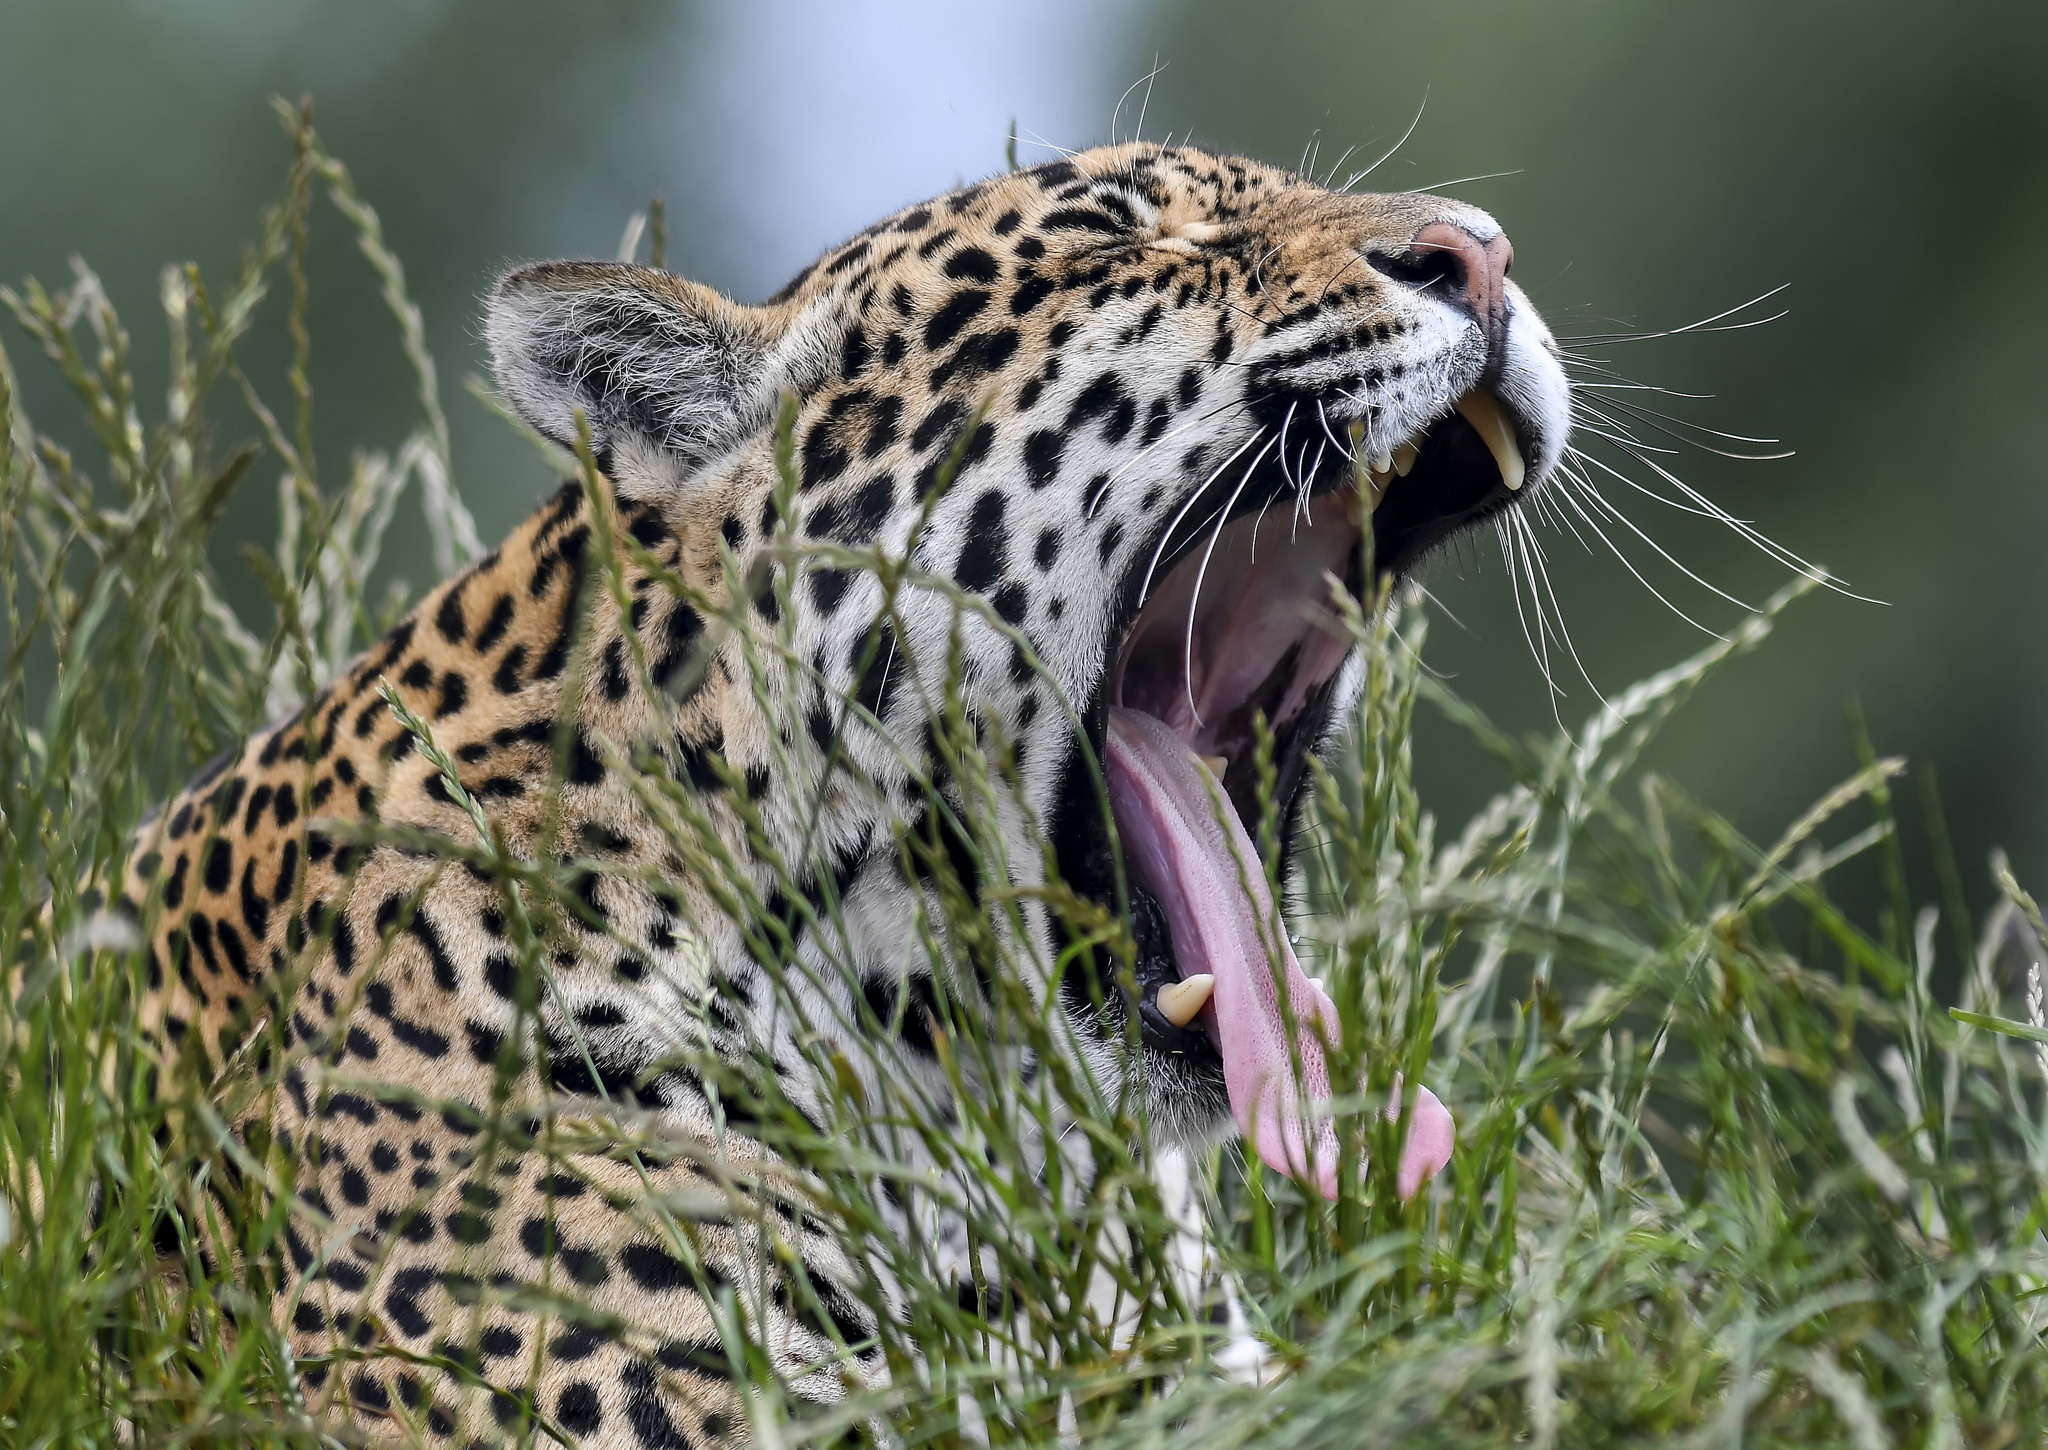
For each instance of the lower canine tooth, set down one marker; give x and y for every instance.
(1483, 411)
(1180, 1001)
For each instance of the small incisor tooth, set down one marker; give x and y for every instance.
(1180, 1001)
(1383, 463)
(1217, 764)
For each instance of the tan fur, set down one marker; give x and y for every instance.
(395, 1006)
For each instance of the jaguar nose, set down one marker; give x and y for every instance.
(1477, 274)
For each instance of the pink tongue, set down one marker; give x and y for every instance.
(1177, 848)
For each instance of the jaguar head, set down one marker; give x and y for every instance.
(1152, 405)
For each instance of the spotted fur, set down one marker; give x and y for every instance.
(1092, 340)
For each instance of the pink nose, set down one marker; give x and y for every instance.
(1477, 272)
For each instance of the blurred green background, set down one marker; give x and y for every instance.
(1885, 163)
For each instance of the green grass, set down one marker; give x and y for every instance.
(1727, 1172)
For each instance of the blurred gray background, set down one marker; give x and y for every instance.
(1885, 163)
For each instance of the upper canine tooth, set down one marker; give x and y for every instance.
(1483, 411)
(1180, 1001)
(1404, 459)
(1217, 764)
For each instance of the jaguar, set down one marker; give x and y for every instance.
(1144, 408)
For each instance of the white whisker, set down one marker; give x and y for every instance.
(1283, 441)
(1621, 385)
(1441, 607)
(1565, 494)
(1618, 381)
(1647, 492)
(1519, 540)
(1145, 587)
(1143, 80)
(1034, 139)
(1341, 447)
(1167, 437)
(1670, 427)
(1386, 156)
(1187, 656)
(1618, 436)
(1256, 524)
(1564, 634)
(1336, 276)
(1705, 324)
(1606, 506)
(1762, 541)
(1144, 106)
(1507, 554)
(1459, 181)
(1562, 518)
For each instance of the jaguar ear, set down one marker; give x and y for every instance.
(669, 373)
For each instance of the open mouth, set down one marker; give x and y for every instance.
(1242, 627)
